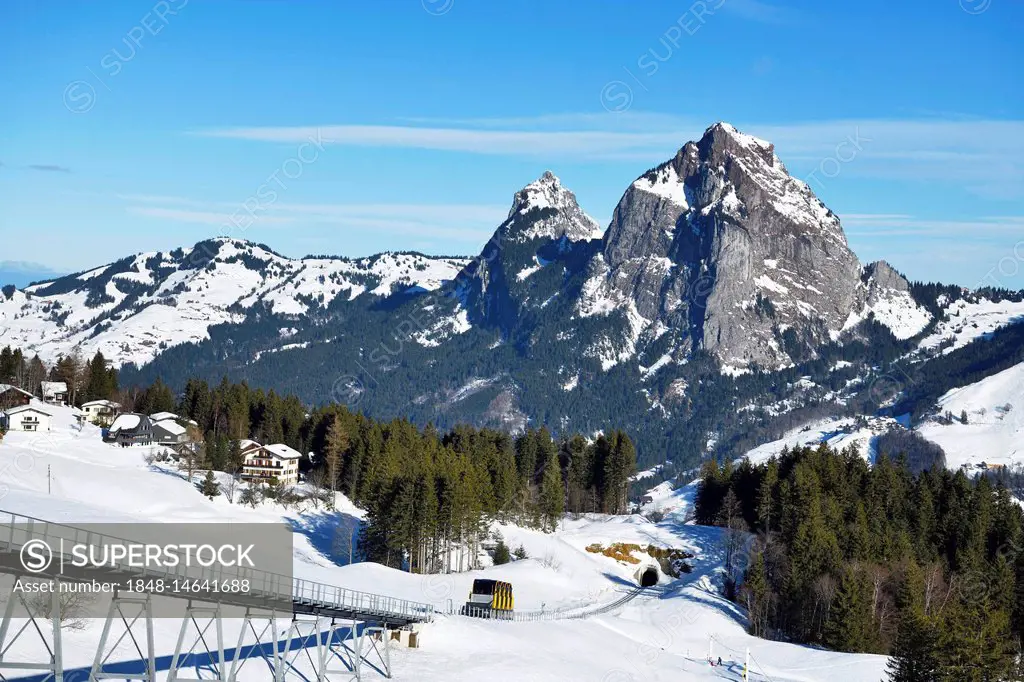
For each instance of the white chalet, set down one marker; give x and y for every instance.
(54, 392)
(101, 412)
(271, 462)
(26, 418)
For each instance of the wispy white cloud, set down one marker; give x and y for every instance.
(49, 168)
(467, 223)
(973, 253)
(581, 144)
(997, 228)
(985, 156)
(182, 215)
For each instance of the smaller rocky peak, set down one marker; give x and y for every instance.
(882, 276)
(547, 209)
(544, 192)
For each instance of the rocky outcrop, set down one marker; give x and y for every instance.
(723, 248)
(545, 228)
(545, 209)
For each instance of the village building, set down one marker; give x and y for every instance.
(101, 412)
(12, 396)
(268, 463)
(28, 418)
(130, 429)
(169, 432)
(54, 392)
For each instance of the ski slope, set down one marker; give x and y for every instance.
(662, 635)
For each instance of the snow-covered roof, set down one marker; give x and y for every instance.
(27, 408)
(103, 403)
(246, 444)
(160, 416)
(126, 421)
(7, 387)
(281, 451)
(52, 387)
(171, 427)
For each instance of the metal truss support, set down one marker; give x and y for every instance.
(340, 642)
(308, 631)
(34, 628)
(128, 612)
(202, 619)
(268, 624)
(334, 651)
(379, 637)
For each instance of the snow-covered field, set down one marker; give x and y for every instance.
(664, 635)
(966, 322)
(838, 433)
(994, 432)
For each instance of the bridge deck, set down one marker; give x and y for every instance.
(269, 591)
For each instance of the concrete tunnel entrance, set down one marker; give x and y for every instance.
(648, 577)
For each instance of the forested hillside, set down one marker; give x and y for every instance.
(927, 567)
(428, 494)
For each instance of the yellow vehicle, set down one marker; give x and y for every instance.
(490, 599)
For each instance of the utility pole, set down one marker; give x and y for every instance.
(49, 487)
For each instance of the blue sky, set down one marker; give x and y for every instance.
(350, 128)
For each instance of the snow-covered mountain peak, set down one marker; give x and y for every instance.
(545, 209)
(721, 130)
(721, 245)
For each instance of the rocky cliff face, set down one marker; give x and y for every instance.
(720, 248)
(545, 227)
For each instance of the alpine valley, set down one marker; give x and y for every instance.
(721, 309)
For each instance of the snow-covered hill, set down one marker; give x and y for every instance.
(133, 309)
(664, 635)
(994, 432)
(968, 320)
(837, 433)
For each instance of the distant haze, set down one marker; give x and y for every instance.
(21, 273)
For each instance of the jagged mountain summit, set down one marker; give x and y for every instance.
(545, 209)
(721, 249)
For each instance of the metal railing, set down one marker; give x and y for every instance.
(265, 588)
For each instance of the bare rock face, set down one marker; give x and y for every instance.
(545, 209)
(724, 249)
(882, 278)
(545, 225)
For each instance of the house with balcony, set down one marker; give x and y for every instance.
(271, 463)
(101, 412)
(28, 418)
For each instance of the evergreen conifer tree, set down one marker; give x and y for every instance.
(210, 487)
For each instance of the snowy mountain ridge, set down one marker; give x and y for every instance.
(133, 309)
